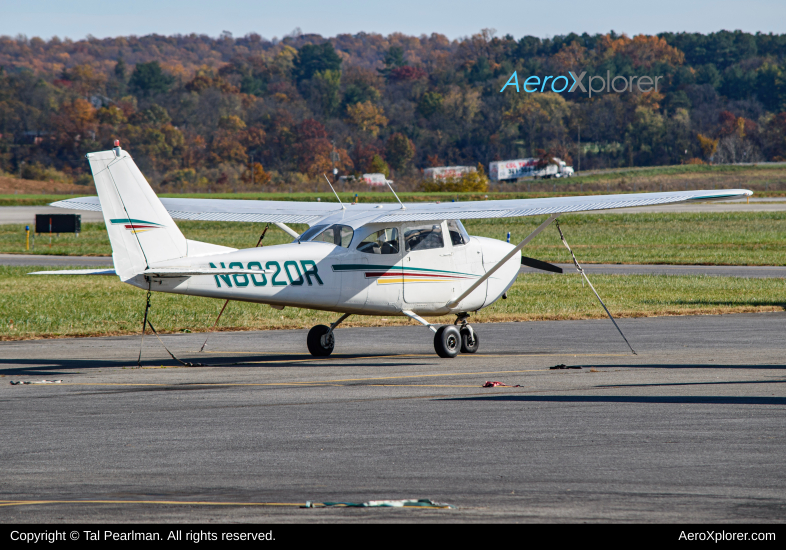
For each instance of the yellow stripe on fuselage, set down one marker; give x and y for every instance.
(381, 281)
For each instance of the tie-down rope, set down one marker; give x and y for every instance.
(581, 270)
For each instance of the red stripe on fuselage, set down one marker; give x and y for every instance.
(410, 274)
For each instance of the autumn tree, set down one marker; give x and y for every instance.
(394, 59)
(379, 166)
(312, 59)
(366, 117)
(314, 149)
(399, 151)
(149, 79)
(75, 128)
(226, 145)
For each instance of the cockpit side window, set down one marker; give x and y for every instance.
(384, 241)
(339, 235)
(423, 236)
(458, 235)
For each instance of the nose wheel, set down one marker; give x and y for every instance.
(320, 341)
(469, 340)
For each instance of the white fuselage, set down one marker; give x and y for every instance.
(318, 275)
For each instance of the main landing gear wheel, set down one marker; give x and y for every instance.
(319, 342)
(469, 340)
(447, 341)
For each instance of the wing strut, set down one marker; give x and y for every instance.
(507, 257)
(286, 229)
(581, 270)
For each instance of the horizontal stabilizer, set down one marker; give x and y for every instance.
(164, 273)
(538, 264)
(76, 272)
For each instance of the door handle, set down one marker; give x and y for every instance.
(448, 254)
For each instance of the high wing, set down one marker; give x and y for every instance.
(227, 210)
(312, 212)
(536, 207)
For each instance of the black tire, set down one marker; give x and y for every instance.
(447, 341)
(466, 347)
(314, 341)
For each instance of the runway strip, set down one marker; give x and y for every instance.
(26, 214)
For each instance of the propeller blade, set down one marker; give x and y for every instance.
(537, 264)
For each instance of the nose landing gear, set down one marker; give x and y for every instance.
(470, 342)
(321, 340)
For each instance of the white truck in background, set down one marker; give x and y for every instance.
(528, 168)
(559, 170)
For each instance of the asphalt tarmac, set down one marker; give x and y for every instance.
(689, 430)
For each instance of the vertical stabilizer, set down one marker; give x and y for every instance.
(140, 229)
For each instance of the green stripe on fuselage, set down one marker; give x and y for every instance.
(370, 267)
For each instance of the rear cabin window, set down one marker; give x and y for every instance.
(384, 241)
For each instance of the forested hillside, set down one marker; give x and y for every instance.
(204, 113)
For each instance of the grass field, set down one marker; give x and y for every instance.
(723, 238)
(58, 306)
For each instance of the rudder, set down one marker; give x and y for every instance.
(141, 231)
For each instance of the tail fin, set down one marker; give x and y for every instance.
(140, 229)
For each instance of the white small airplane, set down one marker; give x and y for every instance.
(414, 260)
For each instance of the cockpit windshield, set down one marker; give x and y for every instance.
(339, 235)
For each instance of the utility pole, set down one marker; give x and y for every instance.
(333, 159)
(579, 152)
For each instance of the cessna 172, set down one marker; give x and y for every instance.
(385, 259)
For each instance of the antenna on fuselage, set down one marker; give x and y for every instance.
(394, 194)
(334, 192)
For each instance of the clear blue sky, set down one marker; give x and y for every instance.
(456, 18)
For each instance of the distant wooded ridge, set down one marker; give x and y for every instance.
(199, 113)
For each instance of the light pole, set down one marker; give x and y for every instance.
(578, 168)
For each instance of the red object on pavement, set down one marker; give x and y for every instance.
(495, 384)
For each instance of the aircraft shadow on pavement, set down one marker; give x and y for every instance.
(665, 384)
(632, 399)
(702, 366)
(64, 367)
